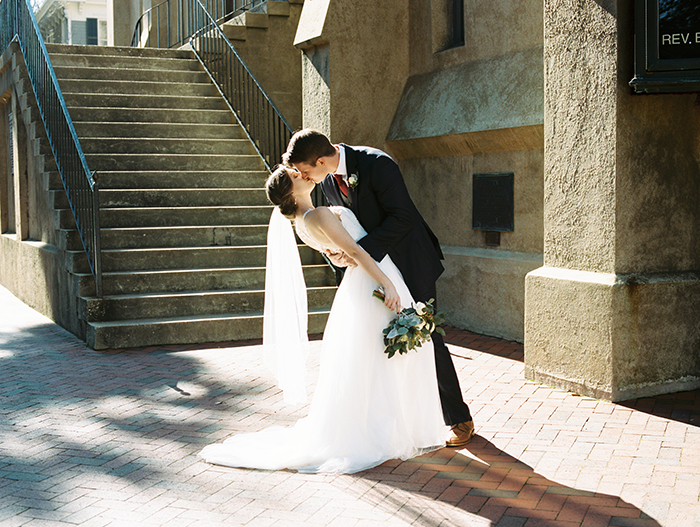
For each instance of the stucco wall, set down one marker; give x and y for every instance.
(614, 312)
(32, 262)
(367, 66)
(125, 14)
(482, 288)
(490, 29)
(472, 109)
(271, 57)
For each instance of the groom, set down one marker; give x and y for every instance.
(369, 182)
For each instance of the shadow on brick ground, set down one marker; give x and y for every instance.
(495, 487)
(68, 411)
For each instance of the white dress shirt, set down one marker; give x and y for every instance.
(342, 167)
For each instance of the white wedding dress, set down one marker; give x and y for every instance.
(367, 408)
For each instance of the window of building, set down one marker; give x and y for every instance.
(78, 32)
(448, 24)
(102, 33)
(91, 31)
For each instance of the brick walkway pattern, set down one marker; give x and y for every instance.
(111, 439)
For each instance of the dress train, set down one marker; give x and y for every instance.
(366, 408)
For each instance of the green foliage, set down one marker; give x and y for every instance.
(412, 327)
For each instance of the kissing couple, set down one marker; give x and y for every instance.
(366, 408)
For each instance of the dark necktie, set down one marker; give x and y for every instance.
(341, 184)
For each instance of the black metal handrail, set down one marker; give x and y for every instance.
(166, 24)
(17, 23)
(256, 113)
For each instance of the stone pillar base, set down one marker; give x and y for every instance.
(611, 336)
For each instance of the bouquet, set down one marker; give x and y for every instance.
(412, 327)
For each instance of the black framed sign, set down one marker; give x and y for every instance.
(667, 46)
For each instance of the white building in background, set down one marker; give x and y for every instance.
(83, 22)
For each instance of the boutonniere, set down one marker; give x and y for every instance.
(352, 180)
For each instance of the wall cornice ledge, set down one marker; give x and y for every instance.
(489, 105)
(310, 31)
(505, 139)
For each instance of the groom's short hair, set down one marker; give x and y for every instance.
(306, 146)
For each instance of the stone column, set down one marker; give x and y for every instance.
(354, 67)
(615, 310)
(124, 15)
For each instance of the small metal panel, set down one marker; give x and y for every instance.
(492, 205)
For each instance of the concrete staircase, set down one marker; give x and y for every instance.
(182, 207)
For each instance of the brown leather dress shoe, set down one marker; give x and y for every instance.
(461, 434)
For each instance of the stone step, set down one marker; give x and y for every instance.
(255, 20)
(133, 145)
(198, 303)
(107, 51)
(192, 280)
(140, 162)
(163, 130)
(183, 212)
(122, 87)
(152, 115)
(176, 179)
(166, 162)
(161, 258)
(258, 18)
(185, 330)
(188, 236)
(141, 180)
(187, 62)
(174, 216)
(183, 197)
(99, 74)
(220, 235)
(198, 257)
(102, 100)
(277, 8)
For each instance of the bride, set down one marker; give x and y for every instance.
(367, 408)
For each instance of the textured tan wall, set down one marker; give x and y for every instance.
(622, 171)
(316, 96)
(126, 13)
(580, 135)
(442, 189)
(491, 29)
(271, 57)
(658, 173)
(367, 66)
(614, 312)
(33, 269)
(483, 287)
(472, 109)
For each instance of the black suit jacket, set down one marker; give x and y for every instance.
(381, 203)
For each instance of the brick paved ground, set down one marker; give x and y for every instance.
(111, 439)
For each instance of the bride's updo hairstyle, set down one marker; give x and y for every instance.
(279, 191)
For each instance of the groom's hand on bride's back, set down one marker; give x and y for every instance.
(340, 259)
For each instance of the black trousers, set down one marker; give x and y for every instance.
(454, 409)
